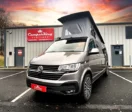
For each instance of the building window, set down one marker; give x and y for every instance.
(128, 32)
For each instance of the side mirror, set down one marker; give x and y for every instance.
(94, 51)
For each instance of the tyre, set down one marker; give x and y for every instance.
(106, 71)
(86, 88)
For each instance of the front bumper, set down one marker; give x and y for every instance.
(66, 88)
(67, 84)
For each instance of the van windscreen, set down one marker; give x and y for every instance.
(68, 45)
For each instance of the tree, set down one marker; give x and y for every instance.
(5, 21)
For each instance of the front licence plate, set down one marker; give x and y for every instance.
(39, 87)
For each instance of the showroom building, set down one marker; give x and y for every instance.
(24, 43)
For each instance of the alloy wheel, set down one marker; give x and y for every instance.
(87, 87)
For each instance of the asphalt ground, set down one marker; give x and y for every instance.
(110, 94)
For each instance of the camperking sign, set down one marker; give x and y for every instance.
(40, 34)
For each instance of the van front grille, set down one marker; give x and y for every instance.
(45, 67)
(48, 76)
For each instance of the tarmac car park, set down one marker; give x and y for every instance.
(111, 94)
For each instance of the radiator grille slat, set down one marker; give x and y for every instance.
(45, 67)
(48, 76)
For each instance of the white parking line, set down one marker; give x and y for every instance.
(22, 94)
(121, 77)
(11, 75)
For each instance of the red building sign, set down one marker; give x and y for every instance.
(40, 34)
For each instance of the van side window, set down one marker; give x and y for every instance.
(91, 45)
(99, 47)
(104, 50)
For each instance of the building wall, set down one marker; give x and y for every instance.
(112, 35)
(18, 39)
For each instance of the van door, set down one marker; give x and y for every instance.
(94, 59)
(117, 55)
(19, 56)
(102, 55)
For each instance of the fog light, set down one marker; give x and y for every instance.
(70, 91)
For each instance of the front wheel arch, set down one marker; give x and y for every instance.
(86, 94)
(82, 78)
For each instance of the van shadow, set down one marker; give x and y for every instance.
(99, 84)
(55, 99)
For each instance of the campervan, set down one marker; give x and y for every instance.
(73, 62)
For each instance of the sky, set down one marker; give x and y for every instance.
(46, 12)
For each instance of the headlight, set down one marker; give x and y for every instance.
(70, 67)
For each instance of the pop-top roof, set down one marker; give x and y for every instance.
(80, 15)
